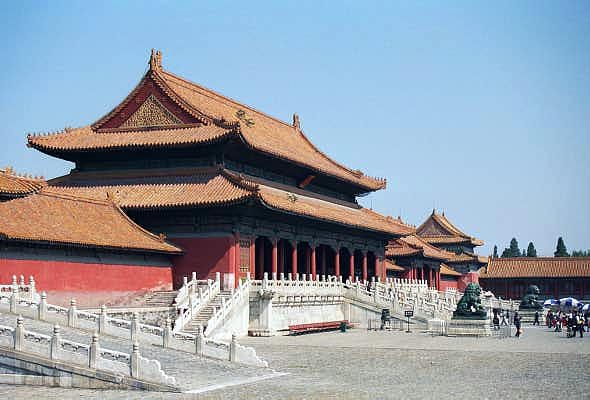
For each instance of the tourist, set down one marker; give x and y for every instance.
(536, 321)
(517, 324)
(496, 321)
(580, 322)
(504, 322)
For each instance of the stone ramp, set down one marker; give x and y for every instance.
(191, 372)
(205, 314)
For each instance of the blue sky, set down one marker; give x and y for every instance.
(478, 109)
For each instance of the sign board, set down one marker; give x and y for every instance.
(409, 313)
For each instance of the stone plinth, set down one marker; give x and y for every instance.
(527, 316)
(469, 327)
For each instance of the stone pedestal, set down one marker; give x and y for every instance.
(263, 327)
(469, 327)
(527, 316)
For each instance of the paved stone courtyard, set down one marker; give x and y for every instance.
(379, 365)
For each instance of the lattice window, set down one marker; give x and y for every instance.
(244, 255)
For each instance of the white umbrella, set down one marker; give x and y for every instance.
(550, 302)
(568, 302)
(586, 307)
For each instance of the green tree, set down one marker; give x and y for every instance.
(506, 253)
(581, 253)
(561, 250)
(514, 250)
(495, 255)
(523, 254)
(531, 251)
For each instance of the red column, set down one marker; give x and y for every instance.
(437, 280)
(260, 263)
(430, 281)
(274, 256)
(384, 267)
(308, 260)
(323, 255)
(365, 274)
(236, 258)
(352, 264)
(294, 259)
(252, 257)
(313, 266)
(280, 258)
(337, 262)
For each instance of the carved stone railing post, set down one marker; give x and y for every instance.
(14, 283)
(72, 316)
(19, 334)
(54, 346)
(42, 307)
(199, 341)
(13, 299)
(218, 277)
(233, 348)
(102, 319)
(134, 327)
(135, 361)
(167, 333)
(93, 351)
(32, 287)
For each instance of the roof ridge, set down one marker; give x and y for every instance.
(159, 238)
(49, 192)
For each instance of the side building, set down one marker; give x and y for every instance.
(556, 277)
(438, 231)
(239, 191)
(82, 248)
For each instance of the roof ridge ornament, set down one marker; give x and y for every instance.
(296, 122)
(156, 60)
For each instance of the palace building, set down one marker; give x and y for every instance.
(81, 247)
(236, 190)
(556, 277)
(438, 231)
(438, 253)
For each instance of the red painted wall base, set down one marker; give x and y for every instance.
(444, 285)
(87, 279)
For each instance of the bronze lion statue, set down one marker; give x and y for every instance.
(470, 304)
(530, 301)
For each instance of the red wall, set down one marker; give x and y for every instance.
(470, 277)
(73, 277)
(205, 256)
(444, 284)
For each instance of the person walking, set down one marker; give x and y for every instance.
(517, 324)
(580, 325)
(536, 321)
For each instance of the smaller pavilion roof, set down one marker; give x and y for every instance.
(466, 257)
(13, 185)
(437, 229)
(391, 266)
(446, 270)
(536, 267)
(62, 219)
(412, 245)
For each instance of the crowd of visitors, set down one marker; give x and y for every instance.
(572, 322)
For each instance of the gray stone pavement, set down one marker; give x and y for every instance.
(394, 365)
